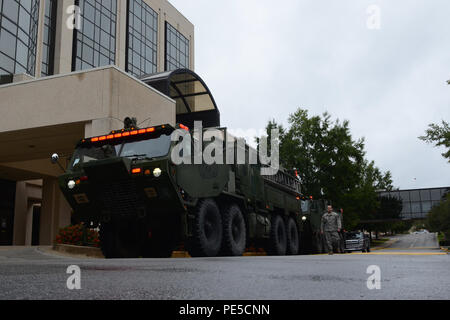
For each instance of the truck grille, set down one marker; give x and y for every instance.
(120, 197)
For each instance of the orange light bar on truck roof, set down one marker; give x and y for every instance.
(117, 135)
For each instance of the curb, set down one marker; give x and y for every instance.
(90, 252)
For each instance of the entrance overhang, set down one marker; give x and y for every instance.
(47, 115)
(193, 98)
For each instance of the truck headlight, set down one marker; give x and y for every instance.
(157, 172)
(71, 184)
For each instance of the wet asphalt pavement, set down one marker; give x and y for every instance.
(412, 268)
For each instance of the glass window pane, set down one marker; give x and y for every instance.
(426, 206)
(404, 195)
(177, 52)
(89, 12)
(27, 4)
(11, 10)
(18, 22)
(24, 20)
(435, 203)
(415, 207)
(425, 194)
(88, 29)
(435, 194)
(406, 207)
(415, 195)
(11, 27)
(98, 34)
(7, 43)
(6, 63)
(22, 53)
(142, 33)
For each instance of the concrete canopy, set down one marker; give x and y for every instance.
(40, 117)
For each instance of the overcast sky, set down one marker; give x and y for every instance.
(264, 59)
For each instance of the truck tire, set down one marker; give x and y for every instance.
(106, 237)
(278, 240)
(160, 236)
(234, 232)
(292, 237)
(159, 246)
(120, 240)
(206, 240)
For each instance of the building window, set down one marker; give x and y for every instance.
(177, 49)
(436, 194)
(142, 38)
(18, 36)
(95, 42)
(48, 47)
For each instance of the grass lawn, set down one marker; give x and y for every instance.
(378, 242)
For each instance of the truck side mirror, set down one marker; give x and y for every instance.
(55, 157)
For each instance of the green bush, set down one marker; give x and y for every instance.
(438, 219)
(74, 235)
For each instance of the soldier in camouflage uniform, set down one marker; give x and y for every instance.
(330, 226)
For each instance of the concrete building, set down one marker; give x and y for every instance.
(69, 69)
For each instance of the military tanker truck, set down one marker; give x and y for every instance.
(144, 204)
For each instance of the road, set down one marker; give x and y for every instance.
(423, 242)
(412, 268)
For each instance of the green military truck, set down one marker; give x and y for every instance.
(145, 206)
(311, 238)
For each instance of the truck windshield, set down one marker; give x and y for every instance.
(305, 205)
(149, 148)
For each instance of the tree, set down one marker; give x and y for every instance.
(438, 219)
(389, 208)
(440, 136)
(331, 164)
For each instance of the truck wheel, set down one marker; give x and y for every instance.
(206, 238)
(119, 240)
(159, 246)
(160, 236)
(292, 237)
(106, 237)
(277, 242)
(234, 234)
